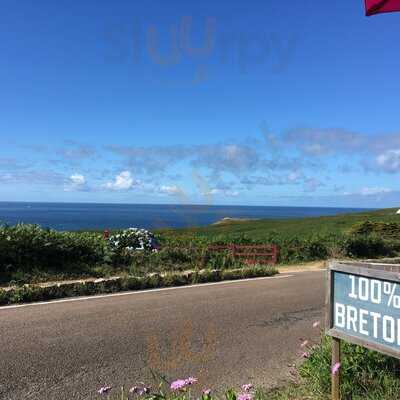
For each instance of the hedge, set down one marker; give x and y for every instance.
(35, 293)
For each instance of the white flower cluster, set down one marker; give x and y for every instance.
(132, 239)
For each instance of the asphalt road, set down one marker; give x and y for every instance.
(225, 334)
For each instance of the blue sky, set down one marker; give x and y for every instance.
(260, 102)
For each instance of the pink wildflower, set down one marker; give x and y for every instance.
(306, 354)
(245, 396)
(178, 384)
(133, 389)
(104, 389)
(335, 368)
(316, 324)
(206, 392)
(304, 344)
(143, 391)
(247, 387)
(190, 380)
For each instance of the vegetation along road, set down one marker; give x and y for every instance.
(224, 334)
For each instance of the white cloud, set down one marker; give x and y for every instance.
(294, 177)
(312, 184)
(370, 191)
(171, 190)
(75, 182)
(223, 192)
(123, 181)
(316, 149)
(77, 179)
(389, 161)
(232, 151)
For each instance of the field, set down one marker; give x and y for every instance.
(301, 228)
(31, 254)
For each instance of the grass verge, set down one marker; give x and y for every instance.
(365, 375)
(36, 293)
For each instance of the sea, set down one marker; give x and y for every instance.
(90, 216)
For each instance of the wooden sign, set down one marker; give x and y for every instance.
(363, 307)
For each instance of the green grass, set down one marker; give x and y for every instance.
(31, 254)
(365, 375)
(301, 227)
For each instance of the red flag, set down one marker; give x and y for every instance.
(381, 6)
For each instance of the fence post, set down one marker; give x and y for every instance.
(233, 250)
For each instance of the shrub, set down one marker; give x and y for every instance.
(384, 229)
(295, 249)
(368, 246)
(28, 248)
(126, 244)
(219, 260)
(29, 253)
(132, 239)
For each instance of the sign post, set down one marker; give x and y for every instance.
(363, 307)
(335, 377)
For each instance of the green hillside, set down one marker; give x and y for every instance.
(301, 227)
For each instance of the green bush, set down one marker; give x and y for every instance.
(25, 249)
(31, 254)
(369, 246)
(386, 230)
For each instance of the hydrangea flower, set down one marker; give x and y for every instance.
(132, 239)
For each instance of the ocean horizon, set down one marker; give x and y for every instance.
(99, 216)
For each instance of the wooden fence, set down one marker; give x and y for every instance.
(251, 254)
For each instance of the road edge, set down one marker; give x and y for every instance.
(38, 293)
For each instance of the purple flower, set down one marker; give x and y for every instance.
(178, 384)
(206, 392)
(306, 354)
(335, 368)
(144, 390)
(190, 380)
(104, 390)
(247, 387)
(133, 389)
(245, 396)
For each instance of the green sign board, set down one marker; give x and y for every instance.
(363, 305)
